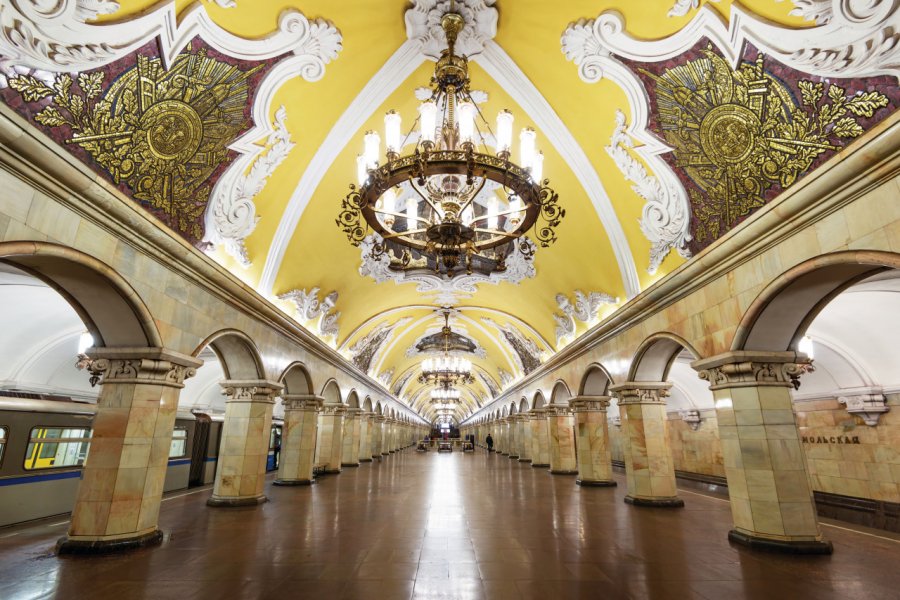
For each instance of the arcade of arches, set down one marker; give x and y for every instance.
(696, 383)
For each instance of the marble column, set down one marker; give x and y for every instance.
(330, 442)
(365, 437)
(385, 437)
(503, 426)
(540, 439)
(350, 443)
(298, 439)
(768, 478)
(649, 468)
(244, 447)
(512, 426)
(377, 425)
(561, 435)
(524, 438)
(118, 498)
(592, 441)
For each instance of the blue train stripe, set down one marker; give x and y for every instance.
(179, 461)
(36, 478)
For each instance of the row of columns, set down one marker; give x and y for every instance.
(117, 503)
(768, 482)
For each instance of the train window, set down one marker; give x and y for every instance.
(2, 442)
(275, 436)
(51, 447)
(178, 448)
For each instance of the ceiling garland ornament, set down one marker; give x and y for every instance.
(311, 311)
(585, 309)
(665, 218)
(447, 224)
(365, 350)
(232, 210)
(527, 354)
(444, 291)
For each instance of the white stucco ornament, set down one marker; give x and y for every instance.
(423, 25)
(585, 309)
(314, 312)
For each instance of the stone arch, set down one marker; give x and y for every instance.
(781, 313)
(596, 381)
(523, 405)
(238, 355)
(539, 401)
(560, 393)
(296, 380)
(379, 409)
(504, 412)
(513, 409)
(331, 392)
(367, 404)
(655, 356)
(353, 399)
(110, 308)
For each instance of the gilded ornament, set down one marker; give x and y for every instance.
(740, 134)
(161, 132)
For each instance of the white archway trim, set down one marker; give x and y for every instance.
(389, 77)
(36, 351)
(501, 67)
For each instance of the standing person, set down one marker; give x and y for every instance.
(490, 442)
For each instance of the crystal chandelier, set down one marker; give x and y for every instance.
(445, 370)
(451, 205)
(445, 396)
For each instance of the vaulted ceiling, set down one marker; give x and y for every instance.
(295, 255)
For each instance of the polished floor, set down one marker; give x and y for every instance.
(446, 526)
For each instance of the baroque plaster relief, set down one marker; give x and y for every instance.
(797, 123)
(311, 310)
(365, 350)
(526, 352)
(38, 39)
(584, 309)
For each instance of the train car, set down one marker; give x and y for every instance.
(274, 454)
(44, 443)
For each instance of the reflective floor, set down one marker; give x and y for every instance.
(446, 526)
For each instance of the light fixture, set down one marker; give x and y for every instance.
(806, 347)
(453, 219)
(445, 396)
(446, 370)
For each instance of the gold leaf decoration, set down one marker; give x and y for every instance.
(162, 133)
(739, 133)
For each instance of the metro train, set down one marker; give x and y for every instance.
(45, 439)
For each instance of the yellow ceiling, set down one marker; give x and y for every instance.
(529, 31)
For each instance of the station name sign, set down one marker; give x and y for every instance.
(834, 439)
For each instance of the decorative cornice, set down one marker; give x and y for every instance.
(423, 25)
(251, 390)
(641, 392)
(749, 368)
(143, 366)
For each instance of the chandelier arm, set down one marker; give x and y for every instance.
(425, 198)
(473, 196)
(483, 119)
(402, 233)
(499, 214)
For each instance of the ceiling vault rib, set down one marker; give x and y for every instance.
(503, 69)
(386, 80)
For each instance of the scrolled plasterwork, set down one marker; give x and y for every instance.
(251, 391)
(665, 218)
(683, 7)
(628, 394)
(365, 350)
(385, 377)
(869, 407)
(750, 373)
(423, 25)
(444, 292)
(139, 370)
(231, 216)
(585, 309)
(310, 310)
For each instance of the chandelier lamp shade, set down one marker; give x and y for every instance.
(445, 396)
(457, 202)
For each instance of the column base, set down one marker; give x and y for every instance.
(539, 465)
(67, 545)
(782, 546)
(657, 502)
(287, 482)
(596, 483)
(331, 471)
(514, 456)
(562, 472)
(234, 502)
(365, 460)
(385, 453)
(528, 460)
(349, 464)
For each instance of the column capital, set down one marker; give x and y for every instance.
(148, 366)
(537, 413)
(367, 414)
(590, 403)
(641, 392)
(560, 410)
(753, 368)
(251, 390)
(307, 402)
(334, 409)
(379, 418)
(353, 412)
